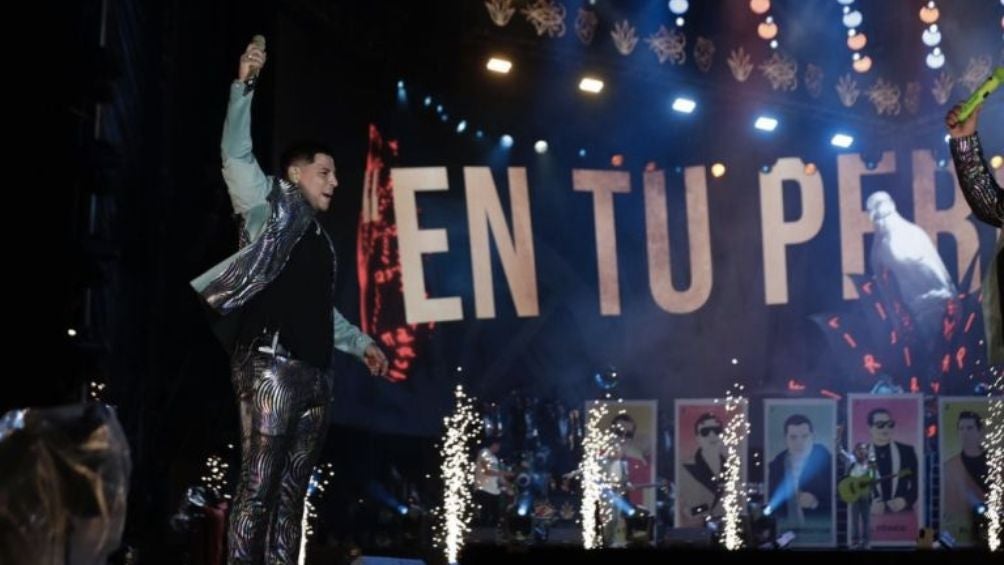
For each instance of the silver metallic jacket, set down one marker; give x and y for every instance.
(260, 261)
(273, 215)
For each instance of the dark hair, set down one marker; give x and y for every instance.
(705, 417)
(622, 418)
(967, 415)
(876, 412)
(302, 151)
(797, 420)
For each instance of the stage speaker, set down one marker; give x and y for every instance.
(688, 537)
(377, 560)
(565, 535)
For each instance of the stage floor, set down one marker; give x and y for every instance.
(477, 554)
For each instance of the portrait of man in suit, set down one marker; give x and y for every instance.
(800, 476)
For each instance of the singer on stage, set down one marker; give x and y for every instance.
(984, 197)
(274, 306)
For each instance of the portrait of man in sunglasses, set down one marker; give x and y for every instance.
(700, 490)
(893, 493)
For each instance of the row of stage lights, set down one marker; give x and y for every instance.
(593, 86)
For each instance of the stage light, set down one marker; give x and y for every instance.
(767, 29)
(461, 126)
(765, 168)
(842, 140)
(997, 161)
(684, 105)
(439, 108)
(810, 169)
(765, 123)
(590, 84)
(936, 59)
(856, 41)
(929, 13)
(540, 147)
(678, 6)
(617, 160)
(931, 36)
(479, 134)
(400, 85)
(853, 19)
(718, 170)
(862, 64)
(773, 44)
(71, 332)
(785, 539)
(680, 22)
(768, 511)
(759, 7)
(525, 501)
(497, 65)
(946, 540)
(427, 102)
(582, 153)
(506, 141)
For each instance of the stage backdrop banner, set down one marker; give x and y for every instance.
(893, 427)
(799, 443)
(700, 458)
(634, 424)
(963, 464)
(804, 264)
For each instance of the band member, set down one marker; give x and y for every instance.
(274, 307)
(861, 467)
(488, 478)
(984, 196)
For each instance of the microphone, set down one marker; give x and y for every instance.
(976, 100)
(259, 42)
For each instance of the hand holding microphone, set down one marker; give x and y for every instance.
(961, 120)
(251, 63)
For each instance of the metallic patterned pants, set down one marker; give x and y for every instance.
(283, 409)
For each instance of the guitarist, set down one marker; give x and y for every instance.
(488, 480)
(860, 467)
